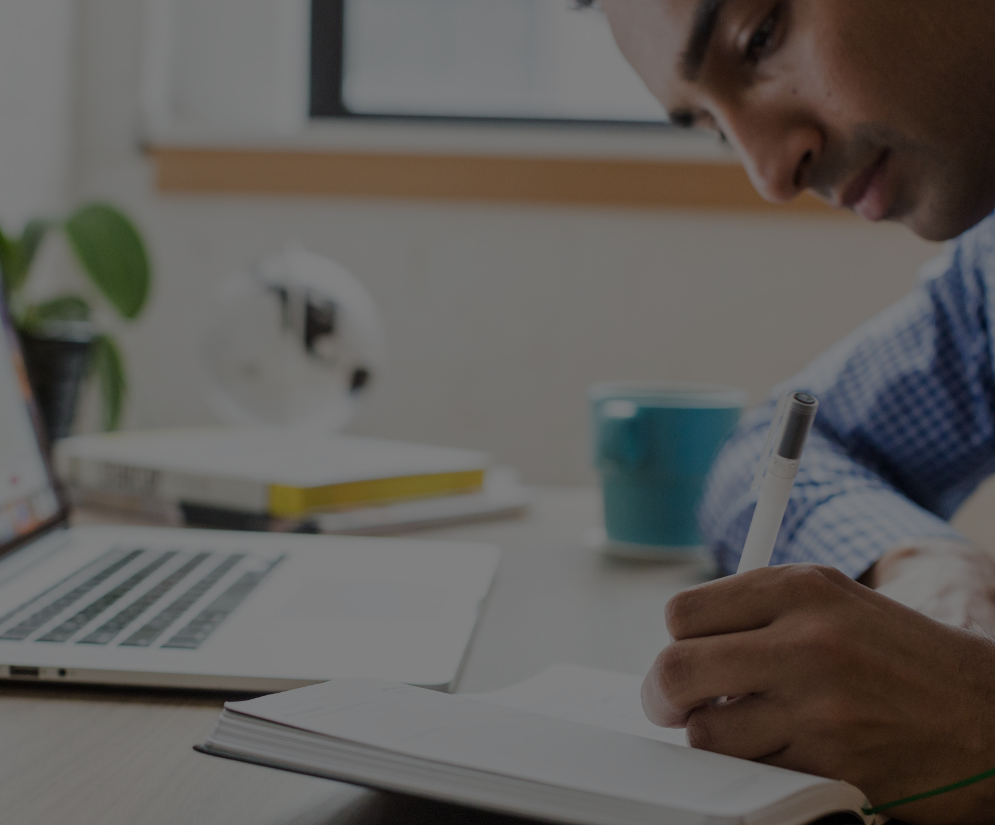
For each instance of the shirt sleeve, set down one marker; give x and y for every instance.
(904, 434)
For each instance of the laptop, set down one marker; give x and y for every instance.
(210, 609)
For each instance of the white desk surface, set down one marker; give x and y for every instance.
(117, 757)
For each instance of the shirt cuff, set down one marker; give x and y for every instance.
(851, 532)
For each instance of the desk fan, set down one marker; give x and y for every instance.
(294, 340)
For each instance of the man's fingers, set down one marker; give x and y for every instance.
(749, 727)
(749, 601)
(692, 672)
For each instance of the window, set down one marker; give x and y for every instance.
(486, 100)
(503, 60)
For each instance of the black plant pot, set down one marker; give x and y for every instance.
(58, 358)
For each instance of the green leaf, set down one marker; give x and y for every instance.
(5, 261)
(31, 238)
(17, 254)
(108, 364)
(62, 308)
(33, 317)
(14, 270)
(112, 253)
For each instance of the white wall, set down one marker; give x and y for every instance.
(37, 54)
(498, 316)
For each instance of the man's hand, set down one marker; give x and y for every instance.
(832, 678)
(951, 581)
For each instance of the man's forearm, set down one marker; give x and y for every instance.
(905, 429)
(841, 514)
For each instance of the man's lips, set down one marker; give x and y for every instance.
(870, 195)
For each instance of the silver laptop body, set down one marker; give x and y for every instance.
(213, 609)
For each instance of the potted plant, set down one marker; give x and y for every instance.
(61, 344)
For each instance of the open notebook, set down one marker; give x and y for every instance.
(569, 745)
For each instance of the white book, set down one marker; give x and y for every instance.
(565, 746)
(502, 495)
(282, 472)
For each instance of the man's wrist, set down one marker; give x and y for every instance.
(947, 579)
(971, 730)
(895, 560)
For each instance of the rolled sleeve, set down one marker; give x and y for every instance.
(905, 431)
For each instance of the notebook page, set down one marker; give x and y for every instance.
(487, 737)
(589, 695)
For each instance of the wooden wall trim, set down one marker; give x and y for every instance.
(578, 181)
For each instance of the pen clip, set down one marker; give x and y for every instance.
(775, 426)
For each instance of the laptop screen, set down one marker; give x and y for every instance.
(28, 499)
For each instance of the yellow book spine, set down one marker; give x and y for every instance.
(287, 501)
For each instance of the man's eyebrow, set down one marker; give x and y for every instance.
(706, 18)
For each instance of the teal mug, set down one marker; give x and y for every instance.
(653, 446)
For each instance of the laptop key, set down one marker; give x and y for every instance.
(107, 631)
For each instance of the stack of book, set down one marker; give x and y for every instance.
(282, 479)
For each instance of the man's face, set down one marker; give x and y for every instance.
(885, 107)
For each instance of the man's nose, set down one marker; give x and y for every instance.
(778, 156)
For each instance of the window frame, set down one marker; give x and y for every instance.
(326, 74)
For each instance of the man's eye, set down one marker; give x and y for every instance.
(694, 119)
(683, 119)
(762, 37)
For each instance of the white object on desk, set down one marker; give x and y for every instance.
(218, 610)
(295, 340)
(253, 468)
(461, 749)
(502, 495)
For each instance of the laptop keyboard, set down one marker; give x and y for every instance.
(164, 620)
(111, 628)
(140, 597)
(27, 626)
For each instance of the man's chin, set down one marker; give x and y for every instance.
(938, 228)
(931, 229)
(941, 221)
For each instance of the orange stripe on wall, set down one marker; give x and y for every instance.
(600, 182)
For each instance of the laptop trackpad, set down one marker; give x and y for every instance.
(331, 598)
(406, 616)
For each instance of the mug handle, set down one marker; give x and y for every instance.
(621, 443)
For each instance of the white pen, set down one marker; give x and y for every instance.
(776, 475)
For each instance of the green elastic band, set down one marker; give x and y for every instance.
(945, 789)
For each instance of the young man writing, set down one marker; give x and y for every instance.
(883, 107)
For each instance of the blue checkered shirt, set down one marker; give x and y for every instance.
(904, 434)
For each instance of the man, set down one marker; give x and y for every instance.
(883, 107)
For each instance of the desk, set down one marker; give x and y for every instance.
(122, 757)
